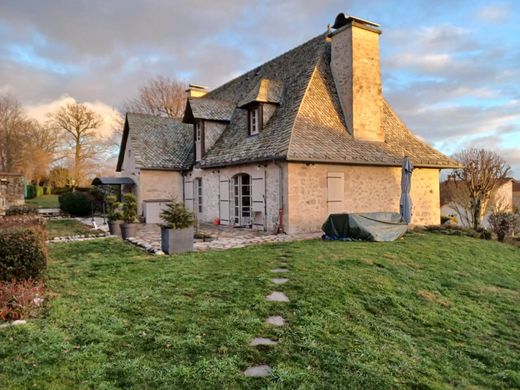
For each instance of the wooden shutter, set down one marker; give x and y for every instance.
(335, 192)
(258, 199)
(224, 208)
(188, 193)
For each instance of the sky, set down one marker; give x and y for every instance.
(450, 68)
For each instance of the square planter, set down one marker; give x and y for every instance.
(177, 240)
(115, 227)
(128, 230)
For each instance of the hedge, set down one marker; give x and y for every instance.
(76, 203)
(23, 252)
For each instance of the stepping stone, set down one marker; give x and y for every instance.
(279, 280)
(277, 297)
(258, 371)
(262, 341)
(275, 321)
(279, 270)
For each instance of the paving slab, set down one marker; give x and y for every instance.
(279, 280)
(277, 296)
(258, 371)
(275, 321)
(279, 270)
(262, 341)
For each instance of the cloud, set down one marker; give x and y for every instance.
(42, 111)
(494, 13)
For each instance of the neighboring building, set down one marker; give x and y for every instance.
(516, 195)
(154, 152)
(503, 198)
(300, 137)
(11, 190)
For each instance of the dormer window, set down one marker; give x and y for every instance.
(254, 115)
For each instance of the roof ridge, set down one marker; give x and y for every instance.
(322, 35)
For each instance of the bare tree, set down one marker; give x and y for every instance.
(160, 96)
(40, 150)
(13, 125)
(79, 124)
(482, 173)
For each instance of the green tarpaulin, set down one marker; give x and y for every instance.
(365, 226)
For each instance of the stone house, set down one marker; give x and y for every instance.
(291, 141)
(11, 190)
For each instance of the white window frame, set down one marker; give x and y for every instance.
(254, 120)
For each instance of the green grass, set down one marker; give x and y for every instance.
(429, 311)
(68, 227)
(45, 202)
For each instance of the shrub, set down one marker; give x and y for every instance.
(39, 191)
(76, 203)
(61, 190)
(129, 208)
(25, 209)
(20, 299)
(502, 223)
(23, 253)
(113, 212)
(176, 216)
(30, 192)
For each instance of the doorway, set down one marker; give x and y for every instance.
(241, 200)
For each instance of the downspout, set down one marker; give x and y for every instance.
(265, 198)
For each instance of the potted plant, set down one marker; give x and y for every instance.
(115, 218)
(177, 230)
(129, 225)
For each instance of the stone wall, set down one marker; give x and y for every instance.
(210, 189)
(11, 190)
(156, 184)
(366, 189)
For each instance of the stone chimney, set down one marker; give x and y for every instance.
(195, 91)
(356, 71)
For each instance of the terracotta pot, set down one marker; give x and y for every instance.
(128, 230)
(177, 240)
(115, 227)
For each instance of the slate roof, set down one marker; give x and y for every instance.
(266, 91)
(157, 142)
(308, 124)
(210, 109)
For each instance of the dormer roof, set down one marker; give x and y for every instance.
(265, 91)
(208, 109)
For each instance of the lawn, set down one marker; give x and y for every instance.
(428, 311)
(45, 202)
(68, 227)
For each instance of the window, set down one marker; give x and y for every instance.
(199, 140)
(198, 182)
(255, 119)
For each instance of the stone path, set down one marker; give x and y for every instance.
(258, 371)
(279, 280)
(223, 237)
(275, 296)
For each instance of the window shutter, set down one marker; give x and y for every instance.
(258, 199)
(335, 192)
(224, 201)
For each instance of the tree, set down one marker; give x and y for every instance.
(477, 180)
(79, 123)
(160, 96)
(13, 125)
(40, 149)
(59, 177)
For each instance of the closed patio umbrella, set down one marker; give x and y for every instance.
(405, 204)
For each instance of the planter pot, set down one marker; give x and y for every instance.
(128, 230)
(177, 240)
(115, 227)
